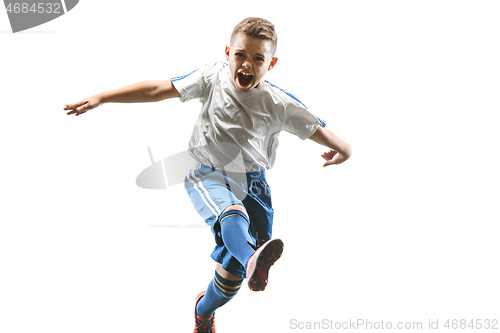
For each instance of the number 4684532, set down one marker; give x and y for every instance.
(36, 8)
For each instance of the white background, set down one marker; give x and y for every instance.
(407, 230)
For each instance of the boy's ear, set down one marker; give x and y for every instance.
(273, 63)
(227, 52)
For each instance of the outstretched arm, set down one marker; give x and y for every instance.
(146, 91)
(340, 150)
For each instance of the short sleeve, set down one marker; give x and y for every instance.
(299, 121)
(194, 84)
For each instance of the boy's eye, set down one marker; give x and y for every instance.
(239, 54)
(259, 59)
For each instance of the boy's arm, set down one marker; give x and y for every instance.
(146, 91)
(340, 150)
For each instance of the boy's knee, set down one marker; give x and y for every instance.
(239, 207)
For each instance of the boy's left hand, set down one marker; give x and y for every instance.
(339, 152)
(332, 157)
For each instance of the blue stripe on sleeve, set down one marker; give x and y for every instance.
(178, 78)
(286, 92)
(322, 122)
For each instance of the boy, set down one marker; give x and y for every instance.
(234, 141)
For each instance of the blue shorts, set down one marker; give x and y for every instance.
(212, 191)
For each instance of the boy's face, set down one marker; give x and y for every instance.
(249, 60)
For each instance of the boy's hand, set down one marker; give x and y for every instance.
(339, 152)
(332, 157)
(83, 106)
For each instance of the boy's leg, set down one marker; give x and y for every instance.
(235, 235)
(234, 224)
(221, 290)
(222, 210)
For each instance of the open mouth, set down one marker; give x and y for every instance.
(244, 79)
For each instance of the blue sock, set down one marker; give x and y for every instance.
(235, 235)
(219, 292)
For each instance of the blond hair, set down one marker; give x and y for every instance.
(258, 28)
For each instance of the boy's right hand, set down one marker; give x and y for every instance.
(83, 106)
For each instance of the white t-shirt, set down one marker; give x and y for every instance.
(238, 131)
